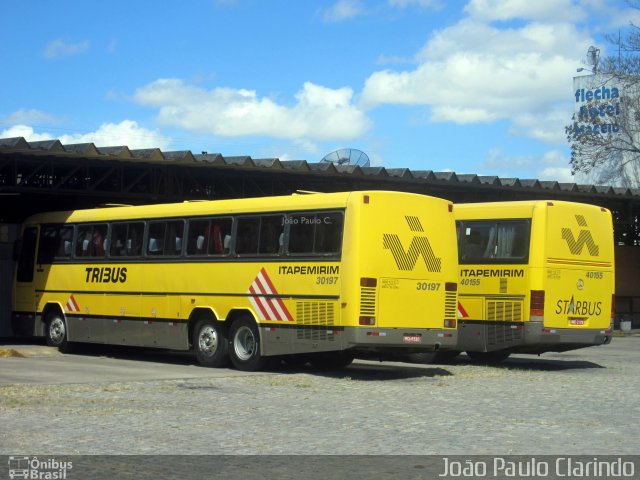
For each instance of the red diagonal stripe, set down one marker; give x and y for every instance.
(258, 300)
(268, 280)
(284, 309)
(265, 288)
(273, 290)
(72, 305)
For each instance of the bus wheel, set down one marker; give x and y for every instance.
(490, 358)
(210, 344)
(244, 345)
(56, 332)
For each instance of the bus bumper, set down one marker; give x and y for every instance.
(409, 340)
(562, 339)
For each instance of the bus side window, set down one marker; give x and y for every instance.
(65, 240)
(328, 233)
(317, 234)
(196, 237)
(271, 229)
(134, 239)
(247, 236)
(55, 243)
(300, 235)
(155, 242)
(91, 240)
(83, 239)
(48, 245)
(99, 245)
(220, 236)
(173, 238)
(119, 240)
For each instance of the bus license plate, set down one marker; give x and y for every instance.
(412, 338)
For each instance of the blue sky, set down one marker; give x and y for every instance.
(481, 86)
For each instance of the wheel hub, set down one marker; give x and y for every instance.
(208, 340)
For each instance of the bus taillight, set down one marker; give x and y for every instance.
(536, 312)
(367, 320)
(449, 323)
(368, 282)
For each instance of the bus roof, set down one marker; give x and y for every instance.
(515, 209)
(294, 201)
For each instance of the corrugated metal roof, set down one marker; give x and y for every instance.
(19, 146)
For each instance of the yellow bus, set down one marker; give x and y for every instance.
(324, 275)
(535, 276)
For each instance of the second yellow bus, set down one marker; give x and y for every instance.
(535, 276)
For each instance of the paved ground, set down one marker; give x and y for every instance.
(112, 401)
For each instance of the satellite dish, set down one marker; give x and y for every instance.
(347, 156)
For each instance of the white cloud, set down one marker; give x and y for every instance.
(127, 132)
(342, 10)
(473, 72)
(555, 10)
(26, 116)
(24, 131)
(613, 15)
(547, 127)
(559, 174)
(392, 60)
(59, 48)
(319, 113)
(505, 165)
(552, 165)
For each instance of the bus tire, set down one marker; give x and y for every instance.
(489, 358)
(56, 332)
(244, 345)
(210, 344)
